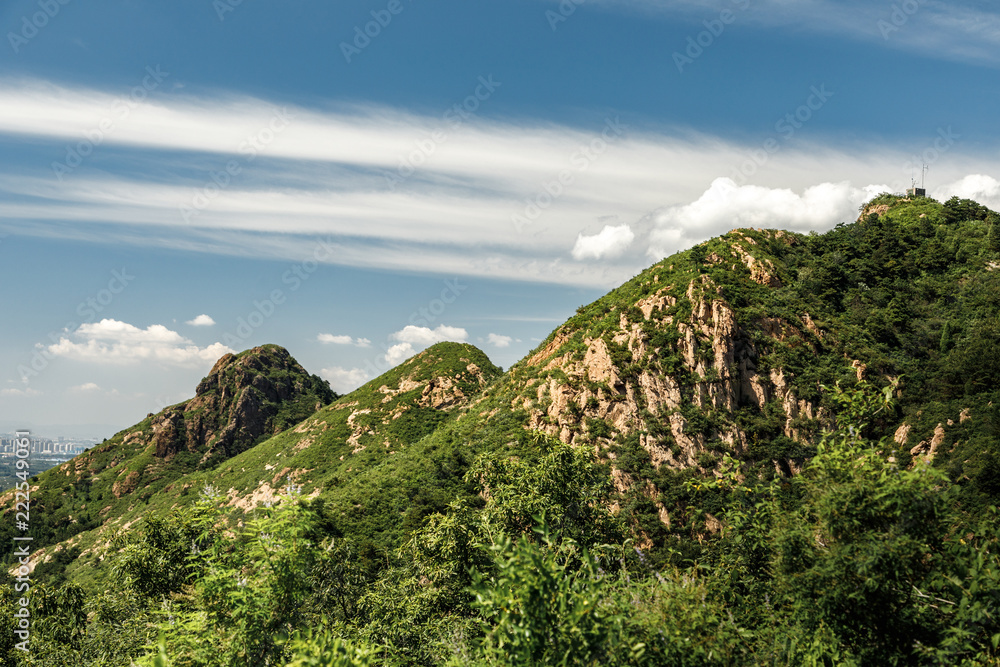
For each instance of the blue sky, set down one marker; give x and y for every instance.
(182, 179)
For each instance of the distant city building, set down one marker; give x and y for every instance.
(62, 449)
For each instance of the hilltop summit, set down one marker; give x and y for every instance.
(723, 350)
(245, 398)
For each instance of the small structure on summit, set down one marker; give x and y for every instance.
(914, 191)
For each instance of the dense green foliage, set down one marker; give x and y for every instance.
(856, 561)
(431, 516)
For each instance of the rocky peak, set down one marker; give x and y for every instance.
(245, 398)
(447, 375)
(270, 369)
(666, 361)
(238, 403)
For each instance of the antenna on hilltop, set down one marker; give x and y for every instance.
(915, 191)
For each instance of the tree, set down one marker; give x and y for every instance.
(542, 608)
(858, 559)
(993, 234)
(249, 590)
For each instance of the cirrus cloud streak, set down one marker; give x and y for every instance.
(648, 194)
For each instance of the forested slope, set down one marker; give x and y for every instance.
(771, 448)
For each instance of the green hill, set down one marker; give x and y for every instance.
(725, 350)
(355, 452)
(244, 399)
(804, 419)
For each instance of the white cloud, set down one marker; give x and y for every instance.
(86, 387)
(425, 336)
(108, 329)
(964, 30)
(343, 340)
(344, 380)
(334, 340)
(20, 392)
(399, 353)
(112, 341)
(609, 242)
(498, 340)
(323, 178)
(979, 187)
(347, 379)
(201, 321)
(726, 206)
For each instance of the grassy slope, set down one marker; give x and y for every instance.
(78, 496)
(369, 485)
(911, 292)
(878, 291)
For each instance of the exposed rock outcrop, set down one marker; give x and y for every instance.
(239, 400)
(761, 270)
(926, 449)
(243, 399)
(127, 483)
(716, 371)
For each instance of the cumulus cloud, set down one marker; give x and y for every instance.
(331, 339)
(425, 336)
(86, 387)
(112, 341)
(726, 206)
(498, 340)
(334, 340)
(979, 187)
(609, 242)
(399, 353)
(20, 392)
(344, 380)
(201, 321)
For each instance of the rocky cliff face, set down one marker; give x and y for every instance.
(657, 363)
(243, 399)
(238, 403)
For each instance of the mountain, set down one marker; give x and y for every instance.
(257, 423)
(725, 349)
(244, 399)
(345, 449)
(830, 399)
